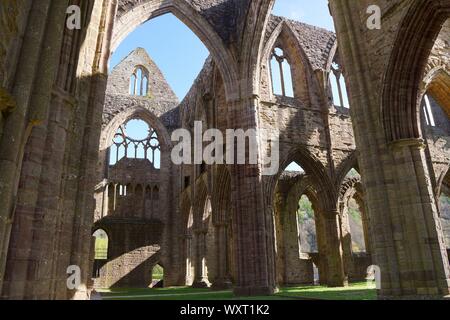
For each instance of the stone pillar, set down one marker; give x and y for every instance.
(334, 253)
(252, 221)
(105, 198)
(222, 280)
(321, 260)
(406, 235)
(39, 57)
(295, 270)
(366, 230)
(346, 240)
(423, 267)
(201, 277)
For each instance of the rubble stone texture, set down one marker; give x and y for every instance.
(224, 225)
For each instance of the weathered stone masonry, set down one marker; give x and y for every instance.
(224, 225)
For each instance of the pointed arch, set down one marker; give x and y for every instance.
(185, 209)
(349, 163)
(133, 16)
(401, 91)
(258, 17)
(201, 198)
(437, 84)
(110, 130)
(314, 169)
(301, 69)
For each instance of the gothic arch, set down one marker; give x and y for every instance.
(141, 12)
(442, 180)
(349, 163)
(298, 60)
(258, 16)
(284, 28)
(185, 209)
(437, 84)
(401, 92)
(201, 199)
(304, 186)
(110, 130)
(315, 170)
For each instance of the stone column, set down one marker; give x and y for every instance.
(334, 253)
(39, 56)
(254, 249)
(143, 202)
(105, 198)
(188, 280)
(201, 278)
(222, 280)
(366, 230)
(346, 240)
(423, 267)
(406, 236)
(115, 201)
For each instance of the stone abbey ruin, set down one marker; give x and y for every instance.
(364, 112)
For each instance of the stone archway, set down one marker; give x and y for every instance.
(326, 207)
(133, 13)
(401, 89)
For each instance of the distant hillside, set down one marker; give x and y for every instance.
(308, 236)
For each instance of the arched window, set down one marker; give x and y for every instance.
(144, 86)
(294, 167)
(157, 276)
(101, 244)
(139, 82)
(338, 87)
(136, 140)
(307, 233)
(281, 74)
(428, 112)
(356, 227)
(133, 84)
(100, 251)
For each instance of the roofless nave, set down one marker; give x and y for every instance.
(374, 184)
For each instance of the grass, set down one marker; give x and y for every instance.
(356, 291)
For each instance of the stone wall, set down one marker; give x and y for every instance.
(52, 97)
(135, 201)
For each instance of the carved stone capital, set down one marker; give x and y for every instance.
(398, 145)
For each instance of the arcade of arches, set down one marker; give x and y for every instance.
(362, 114)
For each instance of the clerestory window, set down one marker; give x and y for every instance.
(281, 74)
(139, 82)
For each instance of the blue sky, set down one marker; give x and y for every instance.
(313, 12)
(180, 54)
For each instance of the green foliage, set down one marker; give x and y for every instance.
(305, 210)
(158, 273)
(101, 248)
(353, 211)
